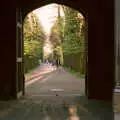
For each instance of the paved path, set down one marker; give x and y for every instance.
(51, 99)
(59, 82)
(42, 70)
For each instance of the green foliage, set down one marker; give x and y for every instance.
(56, 36)
(33, 42)
(74, 43)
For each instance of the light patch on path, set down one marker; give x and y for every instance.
(40, 79)
(33, 81)
(57, 90)
(117, 90)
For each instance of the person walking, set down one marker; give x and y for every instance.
(57, 62)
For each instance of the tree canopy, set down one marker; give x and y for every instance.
(34, 37)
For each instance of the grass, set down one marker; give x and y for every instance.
(78, 74)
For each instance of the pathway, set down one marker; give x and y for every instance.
(51, 99)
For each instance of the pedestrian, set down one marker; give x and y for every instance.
(53, 63)
(57, 63)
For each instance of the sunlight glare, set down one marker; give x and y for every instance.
(47, 16)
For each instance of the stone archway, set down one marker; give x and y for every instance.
(95, 61)
(100, 16)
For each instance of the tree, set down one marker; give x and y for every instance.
(34, 37)
(56, 36)
(73, 42)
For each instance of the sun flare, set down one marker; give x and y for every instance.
(47, 16)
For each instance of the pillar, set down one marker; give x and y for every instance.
(7, 53)
(101, 51)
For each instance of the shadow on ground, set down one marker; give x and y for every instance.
(55, 108)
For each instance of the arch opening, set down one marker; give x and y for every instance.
(74, 60)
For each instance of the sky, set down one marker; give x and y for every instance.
(47, 16)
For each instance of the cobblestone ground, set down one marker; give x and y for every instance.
(40, 103)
